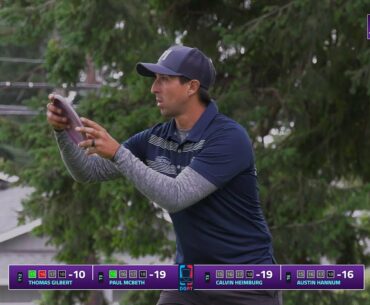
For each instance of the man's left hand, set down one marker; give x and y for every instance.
(99, 140)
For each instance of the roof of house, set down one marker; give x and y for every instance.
(10, 205)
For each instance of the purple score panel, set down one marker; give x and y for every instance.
(322, 277)
(206, 277)
(235, 277)
(50, 277)
(136, 277)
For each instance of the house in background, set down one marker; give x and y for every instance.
(19, 246)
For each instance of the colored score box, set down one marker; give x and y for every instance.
(113, 274)
(42, 274)
(32, 274)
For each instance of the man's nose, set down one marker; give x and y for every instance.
(154, 88)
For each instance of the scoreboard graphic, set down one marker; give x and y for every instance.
(187, 277)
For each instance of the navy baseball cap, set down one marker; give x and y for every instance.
(182, 61)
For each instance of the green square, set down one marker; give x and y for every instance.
(32, 274)
(112, 274)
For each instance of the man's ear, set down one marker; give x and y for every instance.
(193, 87)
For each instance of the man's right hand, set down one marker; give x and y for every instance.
(54, 115)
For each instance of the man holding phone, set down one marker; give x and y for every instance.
(199, 166)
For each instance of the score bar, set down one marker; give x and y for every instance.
(187, 277)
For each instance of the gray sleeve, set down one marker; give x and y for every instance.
(172, 194)
(81, 167)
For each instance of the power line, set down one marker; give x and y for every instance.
(22, 60)
(16, 110)
(32, 85)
